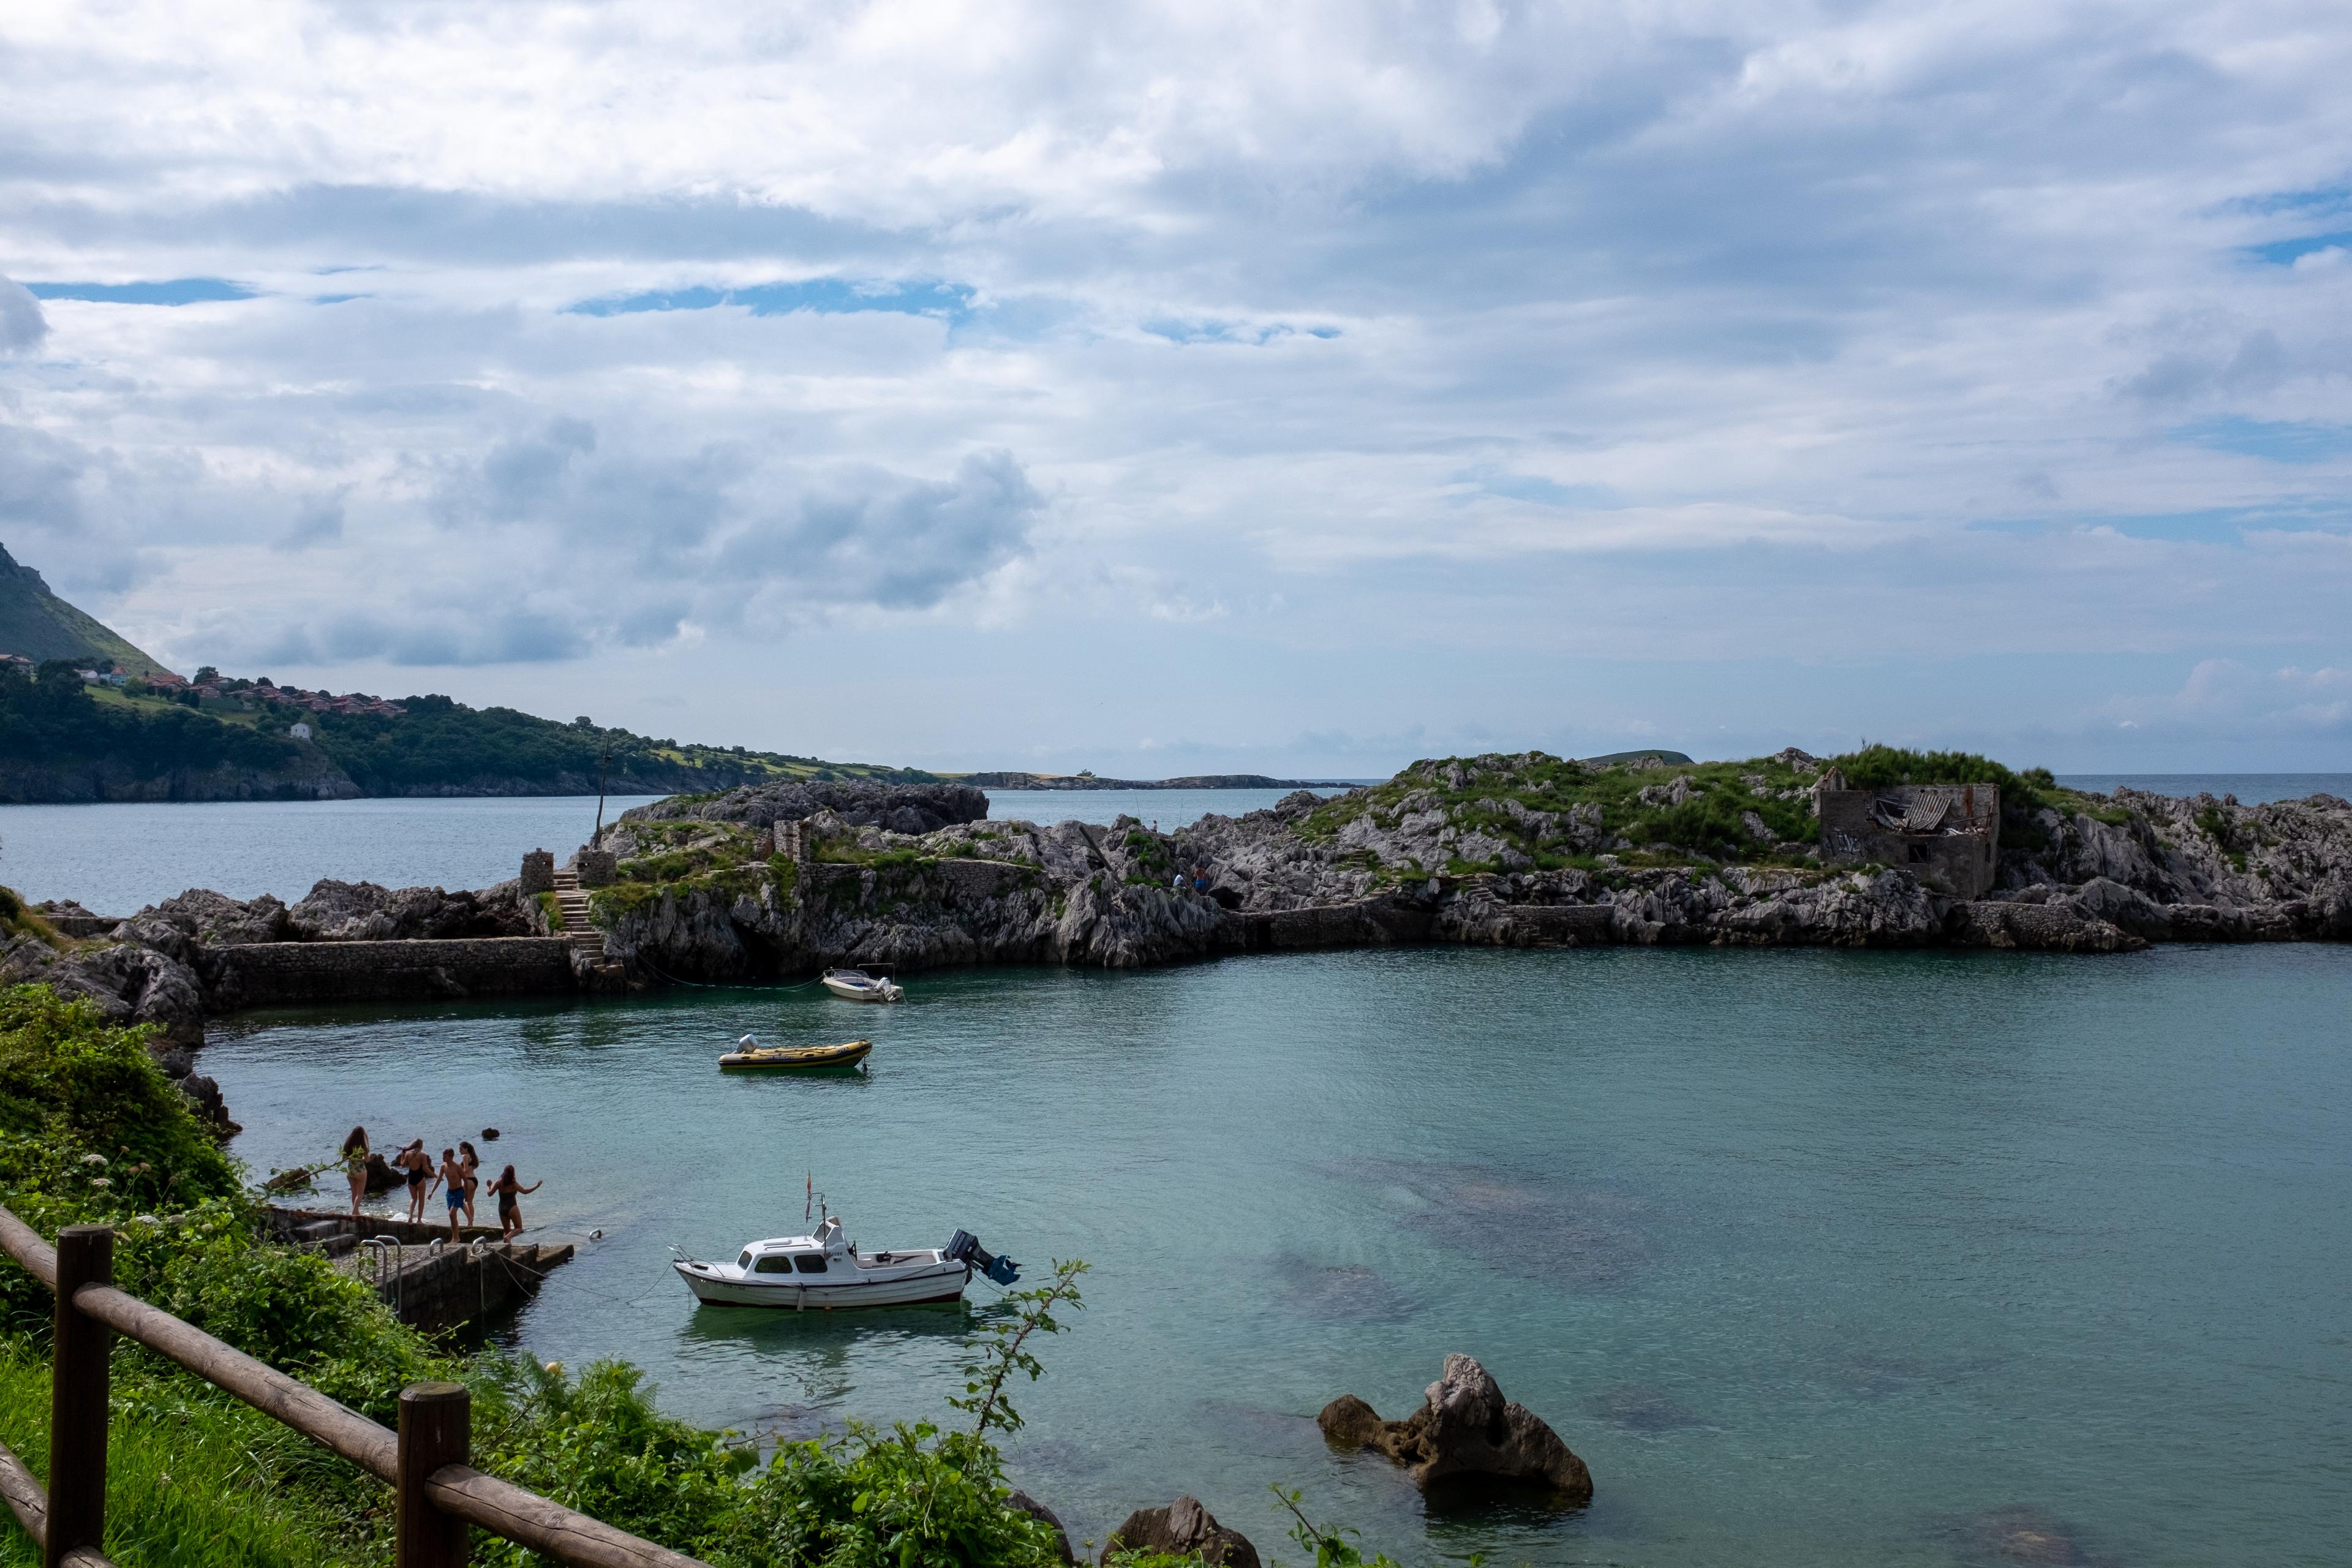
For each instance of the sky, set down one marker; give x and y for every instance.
(1165, 389)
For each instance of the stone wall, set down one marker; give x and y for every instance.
(266, 974)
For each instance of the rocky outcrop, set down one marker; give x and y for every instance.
(1465, 1433)
(1182, 1528)
(362, 911)
(901, 808)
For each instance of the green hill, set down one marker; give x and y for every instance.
(38, 623)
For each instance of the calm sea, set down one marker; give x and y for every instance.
(1820, 1259)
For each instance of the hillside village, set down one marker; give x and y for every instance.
(211, 686)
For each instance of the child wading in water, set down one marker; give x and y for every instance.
(509, 1188)
(355, 1165)
(454, 1174)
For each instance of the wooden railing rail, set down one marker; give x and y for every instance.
(436, 1493)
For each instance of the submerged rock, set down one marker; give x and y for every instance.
(1182, 1528)
(1464, 1432)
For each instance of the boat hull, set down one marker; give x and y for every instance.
(849, 991)
(714, 1285)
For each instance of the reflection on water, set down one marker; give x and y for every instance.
(1817, 1258)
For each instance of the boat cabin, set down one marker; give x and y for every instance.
(819, 1254)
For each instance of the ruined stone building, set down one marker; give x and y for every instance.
(1947, 835)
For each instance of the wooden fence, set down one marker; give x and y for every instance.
(436, 1493)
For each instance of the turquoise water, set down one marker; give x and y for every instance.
(1816, 1257)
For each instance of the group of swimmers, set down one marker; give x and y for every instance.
(461, 1172)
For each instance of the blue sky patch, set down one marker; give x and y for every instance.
(1247, 333)
(2280, 441)
(171, 291)
(824, 296)
(2287, 252)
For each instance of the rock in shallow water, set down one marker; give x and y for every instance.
(1182, 1528)
(1464, 1432)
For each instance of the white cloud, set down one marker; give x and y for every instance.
(1711, 330)
(22, 325)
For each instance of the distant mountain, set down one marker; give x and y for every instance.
(38, 623)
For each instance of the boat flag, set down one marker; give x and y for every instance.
(808, 1204)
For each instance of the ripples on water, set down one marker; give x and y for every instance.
(1816, 1257)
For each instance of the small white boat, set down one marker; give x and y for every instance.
(856, 985)
(826, 1270)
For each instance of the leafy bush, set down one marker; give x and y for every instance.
(907, 1497)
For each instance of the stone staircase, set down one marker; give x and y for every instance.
(585, 939)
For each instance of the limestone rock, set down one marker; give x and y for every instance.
(130, 983)
(910, 809)
(1464, 1432)
(1182, 1528)
(363, 912)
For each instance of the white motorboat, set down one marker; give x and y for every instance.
(826, 1270)
(856, 985)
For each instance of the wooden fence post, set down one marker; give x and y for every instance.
(436, 1428)
(78, 1397)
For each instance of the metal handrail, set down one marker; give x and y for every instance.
(423, 1461)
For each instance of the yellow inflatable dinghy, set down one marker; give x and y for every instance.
(798, 1058)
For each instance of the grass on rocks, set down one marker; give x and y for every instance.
(1758, 811)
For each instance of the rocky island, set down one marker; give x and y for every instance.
(772, 882)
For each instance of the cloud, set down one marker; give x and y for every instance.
(896, 541)
(22, 325)
(1453, 331)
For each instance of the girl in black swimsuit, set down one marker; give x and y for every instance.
(419, 1168)
(507, 1187)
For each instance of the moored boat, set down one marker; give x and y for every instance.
(856, 985)
(753, 1057)
(826, 1270)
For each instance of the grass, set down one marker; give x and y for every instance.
(198, 1482)
(1478, 793)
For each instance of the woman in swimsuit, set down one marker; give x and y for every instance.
(472, 1163)
(419, 1166)
(453, 1174)
(355, 1165)
(507, 1186)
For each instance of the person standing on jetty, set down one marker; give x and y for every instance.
(355, 1165)
(454, 1174)
(473, 1167)
(417, 1165)
(508, 1189)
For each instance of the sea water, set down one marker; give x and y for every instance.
(1816, 1257)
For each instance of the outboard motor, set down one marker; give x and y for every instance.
(965, 1247)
